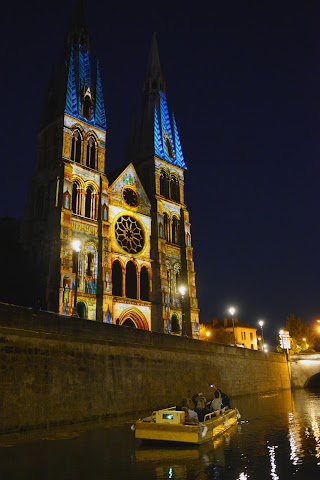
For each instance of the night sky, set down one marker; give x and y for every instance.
(243, 81)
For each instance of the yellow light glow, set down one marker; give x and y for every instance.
(182, 289)
(76, 245)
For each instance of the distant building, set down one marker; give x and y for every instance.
(132, 224)
(232, 332)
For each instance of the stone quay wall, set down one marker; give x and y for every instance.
(57, 370)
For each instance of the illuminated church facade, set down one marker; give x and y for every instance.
(133, 247)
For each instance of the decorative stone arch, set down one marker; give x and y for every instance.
(134, 318)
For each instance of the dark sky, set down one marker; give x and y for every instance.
(244, 83)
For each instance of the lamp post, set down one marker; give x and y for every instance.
(262, 339)
(232, 311)
(76, 245)
(208, 334)
(182, 290)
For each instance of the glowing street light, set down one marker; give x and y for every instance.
(76, 245)
(232, 311)
(261, 322)
(208, 334)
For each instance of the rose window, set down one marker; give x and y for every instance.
(129, 234)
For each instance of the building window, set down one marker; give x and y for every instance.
(88, 204)
(129, 234)
(164, 184)
(91, 153)
(144, 284)
(76, 146)
(87, 107)
(166, 226)
(116, 279)
(131, 280)
(76, 199)
(175, 230)
(174, 189)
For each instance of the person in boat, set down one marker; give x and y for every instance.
(188, 407)
(225, 399)
(201, 408)
(216, 403)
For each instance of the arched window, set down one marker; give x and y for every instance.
(116, 278)
(175, 230)
(164, 184)
(169, 147)
(131, 280)
(166, 227)
(76, 199)
(88, 205)
(87, 107)
(90, 264)
(174, 189)
(144, 284)
(91, 153)
(76, 146)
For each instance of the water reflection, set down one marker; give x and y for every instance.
(277, 437)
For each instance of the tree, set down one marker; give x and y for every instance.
(302, 337)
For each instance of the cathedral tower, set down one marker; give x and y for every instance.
(68, 196)
(156, 152)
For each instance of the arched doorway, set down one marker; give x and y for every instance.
(134, 318)
(81, 309)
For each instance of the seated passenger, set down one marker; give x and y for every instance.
(201, 408)
(191, 414)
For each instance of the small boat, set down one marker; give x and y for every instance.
(169, 425)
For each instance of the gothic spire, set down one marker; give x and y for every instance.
(77, 89)
(157, 132)
(154, 79)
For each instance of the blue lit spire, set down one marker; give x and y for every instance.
(84, 97)
(100, 114)
(157, 133)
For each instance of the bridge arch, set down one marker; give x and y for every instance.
(305, 371)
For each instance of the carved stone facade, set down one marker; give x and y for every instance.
(132, 226)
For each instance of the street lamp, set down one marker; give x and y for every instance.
(76, 245)
(262, 339)
(182, 290)
(232, 312)
(208, 334)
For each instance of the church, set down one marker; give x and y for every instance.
(110, 247)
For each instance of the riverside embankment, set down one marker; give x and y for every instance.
(59, 370)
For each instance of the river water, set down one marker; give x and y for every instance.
(277, 437)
